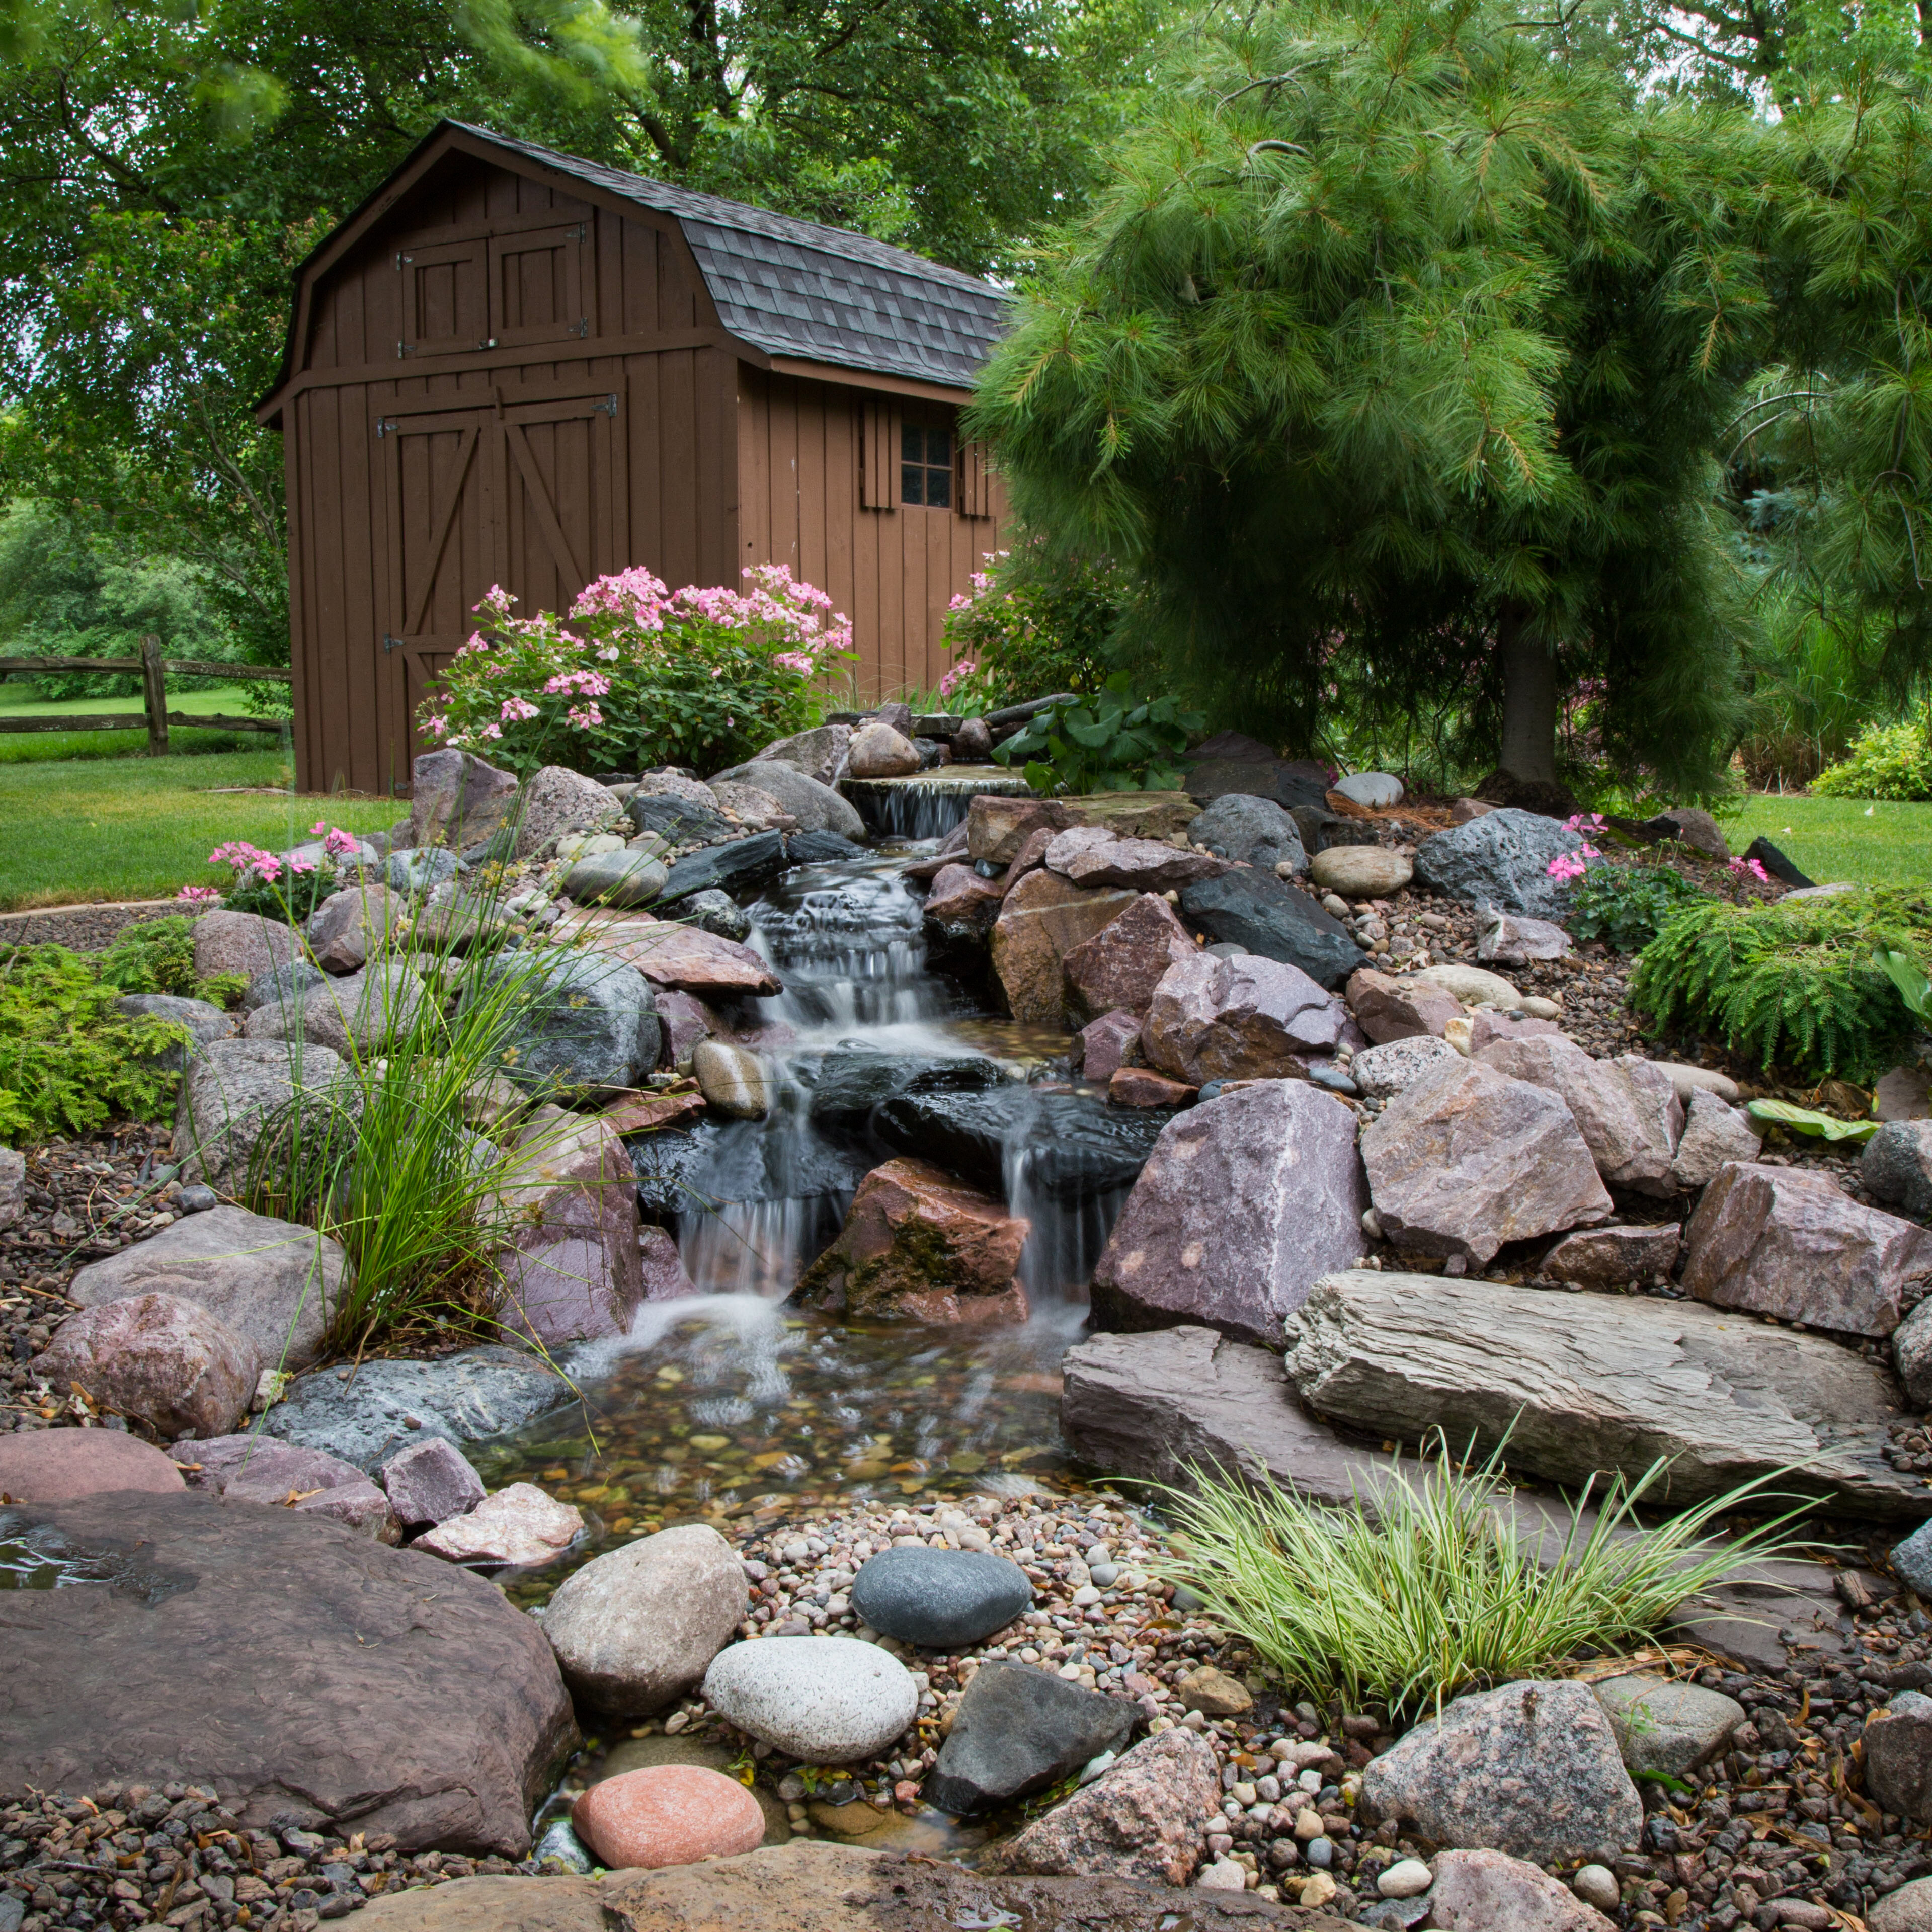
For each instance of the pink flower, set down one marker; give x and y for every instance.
(517, 708)
(301, 866)
(585, 719)
(793, 661)
(1567, 866)
(199, 894)
(437, 727)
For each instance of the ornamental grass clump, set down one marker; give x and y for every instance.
(635, 675)
(1791, 981)
(1440, 1587)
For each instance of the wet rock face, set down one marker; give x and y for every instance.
(1040, 922)
(1246, 1202)
(962, 905)
(1531, 1769)
(1123, 962)
(1782, 1241)
(1584, 1383)
(1464, 1159)
(919, 1245)
(372, 1689)
(585, 1025)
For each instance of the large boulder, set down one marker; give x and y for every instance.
(626, 878)
(1502, 859)
(357, 1016)
(820, 753)
(1388, 1008)
(1715, 1133)
(1246, 1202)
(557, 800)
(1898, 1757)
(1146, 865)
(1042, 919)
(1263, 914)
(817, 807)
(383, 1406)
(1119, 966)
(997, 827)
(457, 800)
(571, 1271)
(637, 1627)
(962, 905)
(1254, 831)
(1788, 1242)
(1246, 773)
(742, 866)
(1897, 1165)
(583, 1024)
(879, 751)
(831, 1700)
(55, 1466)
(1628, 1110)
(163, 1360)
(354, 1687)
(1464, 1159)
(1243, 1018)
(349, 925)
(1582, 1385)
(687, 959)
(1141, 1818)
(673, 821)
(242, 942)
(1017, 1730)
(1531, 1769)
(274, 1282)
(919, 1246)
(246, 1106)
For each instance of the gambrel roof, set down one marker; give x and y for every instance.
(793, 288)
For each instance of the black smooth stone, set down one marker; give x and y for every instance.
(820, 848)
(677, 821)
(939, 1599)
(1270, 917)
(1078, 1148)
(1018, 1730)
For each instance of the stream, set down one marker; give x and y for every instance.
(733, 1408)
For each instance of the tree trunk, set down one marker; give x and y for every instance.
(1529, 701)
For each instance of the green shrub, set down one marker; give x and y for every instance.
(1117, 742)
(1032, 627)
(1624, 905)
(158, 957)
(1890, 761)
(1440, 1589)
(69, 1062)
(1790, 980)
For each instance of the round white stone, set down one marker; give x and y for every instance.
(1372, 789)
(1596, 1884)
(1407, 1878)
(1473, 985)
(1223, 1875)
(825, 1700)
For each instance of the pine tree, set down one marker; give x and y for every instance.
(1406, 331)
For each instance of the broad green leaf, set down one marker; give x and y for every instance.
(1808, 1120)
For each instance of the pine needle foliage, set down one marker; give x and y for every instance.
(1440, 1587)
(1404, 324)
(1790, 982)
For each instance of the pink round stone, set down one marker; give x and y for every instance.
(55, 1466)
(669, 1814)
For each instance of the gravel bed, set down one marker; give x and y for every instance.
(137, 1854)
(85, 928)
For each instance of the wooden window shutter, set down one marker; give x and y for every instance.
(879, 454)
(975, 494)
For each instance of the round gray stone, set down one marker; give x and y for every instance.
(1501, 859)
(715, 912)
(823, 1700)
(1239, 825)
(625, 878)
(281, 986)
(416, 868)
(1372, 789)
(1897, 1165)
(939, 1599)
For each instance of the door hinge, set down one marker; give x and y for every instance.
(405, 349)
(584, 231)
(400, 259)
(607, 407)
(584, 327)
(390, 644)
(383, 426)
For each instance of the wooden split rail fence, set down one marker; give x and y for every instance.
(154, 716)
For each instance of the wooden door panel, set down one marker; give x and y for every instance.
(446, 298)
(537, 285)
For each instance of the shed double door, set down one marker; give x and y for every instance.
(528, 495)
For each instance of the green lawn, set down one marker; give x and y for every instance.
(1834, 838)
(35, 748)
(76, 829)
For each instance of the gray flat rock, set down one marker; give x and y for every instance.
(941, 1599)
(364, 1419)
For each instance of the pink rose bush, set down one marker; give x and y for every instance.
(634, 675)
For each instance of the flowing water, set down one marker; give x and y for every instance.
(734, 1406)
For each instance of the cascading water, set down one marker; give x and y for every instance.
(930, 804)
(733, 1401)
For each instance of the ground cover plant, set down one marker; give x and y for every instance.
(1890, 761)
(139, 828)
(634, 675)
(1437, 1588)
(1791, 981)
(1115, 740)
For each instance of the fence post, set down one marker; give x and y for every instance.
(154, 696)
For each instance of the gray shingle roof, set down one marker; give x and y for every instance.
(793, 288)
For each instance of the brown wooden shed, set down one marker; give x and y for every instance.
(510, 366)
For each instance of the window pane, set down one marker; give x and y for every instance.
(912, 483)
(939, 488)
(912, 443)
(939, 446)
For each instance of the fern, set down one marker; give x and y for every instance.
(1790, 982)
(158, 956)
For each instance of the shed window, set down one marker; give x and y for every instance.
(925, 468)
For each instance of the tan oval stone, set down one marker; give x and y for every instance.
(1361, 871)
